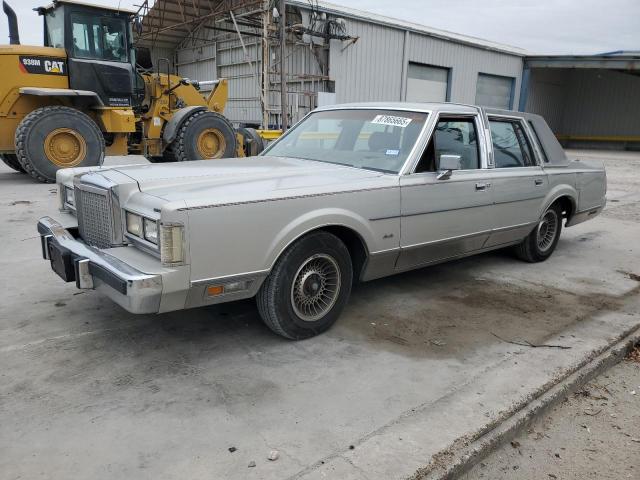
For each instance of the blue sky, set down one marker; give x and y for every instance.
(540, 26)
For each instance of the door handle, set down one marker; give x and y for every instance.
(481, 187)
(538, 181)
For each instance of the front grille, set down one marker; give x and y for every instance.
(95, 222)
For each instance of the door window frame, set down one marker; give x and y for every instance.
(537, 156)
(483, 154)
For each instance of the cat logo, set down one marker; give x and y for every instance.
(51, 66)
(42, 65)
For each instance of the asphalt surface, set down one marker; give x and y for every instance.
(418, 362)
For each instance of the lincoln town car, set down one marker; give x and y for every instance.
(349, 194)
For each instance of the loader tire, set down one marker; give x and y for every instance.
(204, 135)
(51, 138)
(12, 161)
(253, 143)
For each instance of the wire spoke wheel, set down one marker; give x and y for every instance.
(315, 287)
(547, 230)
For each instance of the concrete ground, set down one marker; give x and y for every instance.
(418, 365)
(594, 433)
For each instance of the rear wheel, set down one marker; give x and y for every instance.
(308, 287)
(204, 135)
(51, 138)
(11, 161)
(542, 241)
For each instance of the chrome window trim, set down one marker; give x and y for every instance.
(412, 153)
(523, 124)
(433, 122)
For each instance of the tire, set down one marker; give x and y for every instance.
(542, 241)
(252, 142)
(11, 161)
(295, 274)
(51, 138)
(204, 135)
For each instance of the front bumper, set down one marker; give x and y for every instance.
(73, 260)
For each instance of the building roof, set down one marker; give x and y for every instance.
(623, 60)
(184, 15)
(370, 17)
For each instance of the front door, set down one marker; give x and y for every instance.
(447, 217)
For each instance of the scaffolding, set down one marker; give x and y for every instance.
(242, 40)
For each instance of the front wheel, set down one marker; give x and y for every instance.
(308, 287)
(542, 241)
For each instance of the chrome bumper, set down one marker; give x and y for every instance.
(73, 260)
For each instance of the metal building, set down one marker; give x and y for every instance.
(334, 55)
(588, 100)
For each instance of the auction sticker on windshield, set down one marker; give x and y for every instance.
(401, 122)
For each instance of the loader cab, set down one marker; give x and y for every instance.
(98, 42)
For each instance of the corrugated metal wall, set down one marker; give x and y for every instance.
(547, 95)
(465, 63)
(372, 69)
(586, 102)
(602, 102)
(369, 69)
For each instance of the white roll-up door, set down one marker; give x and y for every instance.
(494, 91)
(426, 83)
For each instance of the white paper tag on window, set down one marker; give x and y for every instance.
(157, 122)
(401, 122)
(393, 152)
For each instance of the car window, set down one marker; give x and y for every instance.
(452, 136)
(511, 147)
(371, 139)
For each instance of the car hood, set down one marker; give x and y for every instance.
(244, 179)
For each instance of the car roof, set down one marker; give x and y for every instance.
(413, 106)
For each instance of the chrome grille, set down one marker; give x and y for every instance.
(95, 222)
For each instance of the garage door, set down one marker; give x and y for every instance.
(494, 91)
(426, 83)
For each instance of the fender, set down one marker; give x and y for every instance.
(178, 118)
(88, 97)
(563, 190)
(316, 220)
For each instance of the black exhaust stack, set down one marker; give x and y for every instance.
(14, 36)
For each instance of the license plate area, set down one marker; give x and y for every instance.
(61, 261)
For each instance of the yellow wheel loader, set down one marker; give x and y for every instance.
(89, 93)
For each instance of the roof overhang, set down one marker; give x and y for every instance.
(612, 62)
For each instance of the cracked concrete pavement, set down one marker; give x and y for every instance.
(412, 368)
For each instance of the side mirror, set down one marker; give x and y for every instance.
(447, 165)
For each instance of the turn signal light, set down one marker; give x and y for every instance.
(213, 290)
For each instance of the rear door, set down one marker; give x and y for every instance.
(519, 184)
(447, 217)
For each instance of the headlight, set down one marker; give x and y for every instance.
(134, 224)
(69, 196)
(151, 230)
(171, 244)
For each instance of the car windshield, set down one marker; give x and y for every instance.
(371, 139)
